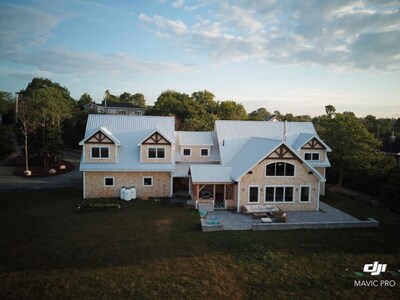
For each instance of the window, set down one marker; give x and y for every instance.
(108, 181)
(311, 156)
(148, 181)
(100, 152)
(122, 112)
(305, 194)
(204, 152)
(253, 194)
(156, 152)
(279, 193)
(279, 169)
(187, 152)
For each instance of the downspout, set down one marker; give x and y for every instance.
(238, 197)
(318, 189)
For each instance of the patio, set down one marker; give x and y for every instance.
(326, 217)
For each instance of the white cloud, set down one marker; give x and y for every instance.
(329, 33)
(178, 3)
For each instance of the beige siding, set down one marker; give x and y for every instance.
(301, 178)
(94, 184)
(195, 154)
(166, 160)
(112, 153)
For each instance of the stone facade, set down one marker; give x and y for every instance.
(94, 184)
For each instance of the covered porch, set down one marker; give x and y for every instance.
(218, 195)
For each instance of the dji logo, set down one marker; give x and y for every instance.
(375, 268)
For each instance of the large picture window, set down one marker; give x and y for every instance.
(100, 152)
(154, 152)
(279, 169)
(279, 193)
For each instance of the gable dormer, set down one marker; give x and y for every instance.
(156, 148)
(100, 147)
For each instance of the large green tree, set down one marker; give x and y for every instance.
(354, 149)
(231, 110)
(84, 99)
(260, 114)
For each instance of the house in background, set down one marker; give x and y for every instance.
(239, 163)
(114, 108)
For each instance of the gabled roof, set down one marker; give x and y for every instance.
(151, 132)
(129, 131)
(106, 132)
(195, 138)
(304, 138)
(255, 151)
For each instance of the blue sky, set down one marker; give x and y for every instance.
(291, 56)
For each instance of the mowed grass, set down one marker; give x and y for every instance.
(156, 250)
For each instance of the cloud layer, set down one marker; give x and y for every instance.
(345, 35)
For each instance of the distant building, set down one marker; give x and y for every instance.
(392, 148)
(114, 108)
(273, 119)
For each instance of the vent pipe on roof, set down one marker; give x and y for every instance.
(223, 142)
(284, 130)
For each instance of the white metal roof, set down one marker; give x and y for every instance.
(129, 130)
(233, 135)
(106, 132)
(304, 138)
(202, 173)
(195, 138)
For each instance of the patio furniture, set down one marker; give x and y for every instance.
(260, 208)
(280, 217)
(266, 220)
(259, 215)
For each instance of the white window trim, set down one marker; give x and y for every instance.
(284, 193)
(183, 151)
(108, 147)
(208, 152)
(109, 177)
(122, 112)
(146, 185)
(165, 153)
(309, 194)
(312, 153)
(294, 170)
(258, 194)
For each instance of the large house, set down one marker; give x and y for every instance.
(239, 163)
(113, 108)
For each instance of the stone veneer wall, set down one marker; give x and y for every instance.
(302, 177)
(94, 184)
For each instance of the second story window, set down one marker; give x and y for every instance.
(100, 152)
(311, 156)
(187, 152)
(154, 152)
(204, 152)
(279, 169)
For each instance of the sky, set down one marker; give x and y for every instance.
(292, 56)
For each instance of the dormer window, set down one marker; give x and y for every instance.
(100, 152)
(204, 152)
(156, 152)
(311, 156)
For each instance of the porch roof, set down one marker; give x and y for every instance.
(210, 173)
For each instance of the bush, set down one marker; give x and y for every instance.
(390, 190)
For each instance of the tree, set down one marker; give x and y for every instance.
(260, 114)
(230, 110)
(138, 100)
(330, 111)
(353, 147)
(7, 107)
(84, 99)
(50, 105)
(207, 100)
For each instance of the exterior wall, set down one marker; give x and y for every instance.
(166, 160)
(322, 171)
(196, 154)
(94, 184)
(112, 153)
(301, 178)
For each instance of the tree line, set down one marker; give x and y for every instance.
(50, 120)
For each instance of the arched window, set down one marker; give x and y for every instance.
(279, 169)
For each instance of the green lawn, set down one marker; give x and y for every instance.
(151, 250)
